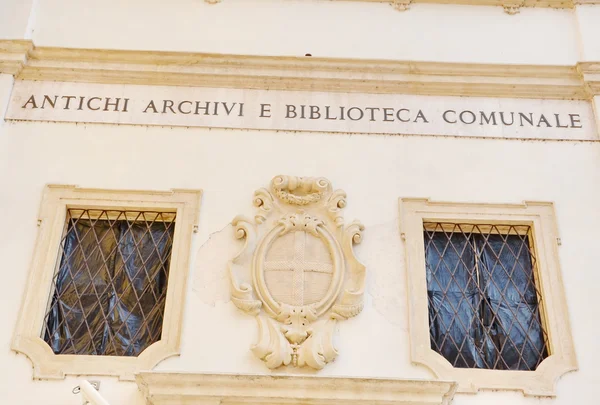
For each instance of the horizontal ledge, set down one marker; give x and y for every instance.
(162, 388)
(502, 3)
(13, 55)
(27, 62)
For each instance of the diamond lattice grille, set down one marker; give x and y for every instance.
(110, 285)
(484, 304)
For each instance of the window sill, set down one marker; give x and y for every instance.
(540, 383)
(50, 366)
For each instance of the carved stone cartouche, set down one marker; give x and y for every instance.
(297, 273)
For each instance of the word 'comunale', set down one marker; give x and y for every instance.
(509, 118)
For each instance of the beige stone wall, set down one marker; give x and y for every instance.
(229, 165)
(374, 170)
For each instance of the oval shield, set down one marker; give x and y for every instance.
(298, 269)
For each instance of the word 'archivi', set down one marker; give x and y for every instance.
(306, 112)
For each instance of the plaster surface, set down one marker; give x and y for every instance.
(230, 164)
(427, 32)
(587, 21)
(15, 18)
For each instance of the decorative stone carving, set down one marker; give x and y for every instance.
(513, 7)
(401, 5)
(297, 272)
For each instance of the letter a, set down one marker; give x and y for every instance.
(32, 101)
(151, 105)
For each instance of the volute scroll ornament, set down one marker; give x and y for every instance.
(297, 272)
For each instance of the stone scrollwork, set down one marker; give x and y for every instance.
(297, 273)
(513, 7)
(401, 5)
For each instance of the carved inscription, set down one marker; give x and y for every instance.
(308, 112)
(302, 111)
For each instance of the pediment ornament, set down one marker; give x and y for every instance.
(297, 273)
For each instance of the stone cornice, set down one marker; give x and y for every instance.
(510, 6)
(590, 71)
(163, 388)
(25, 61)
(13, 55)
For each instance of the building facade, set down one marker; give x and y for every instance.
(300, 201)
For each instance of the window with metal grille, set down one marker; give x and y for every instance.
(484, 305)
(110, 284)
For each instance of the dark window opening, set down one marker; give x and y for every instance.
(109, 289)
(484, 305)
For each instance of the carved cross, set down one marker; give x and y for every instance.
(298, 265)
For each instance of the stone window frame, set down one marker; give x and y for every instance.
(542, 219)
(52, 216)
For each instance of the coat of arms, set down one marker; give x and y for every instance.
(297, 272)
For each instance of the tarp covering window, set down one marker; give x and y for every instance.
(111, 283)
(484, 310)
